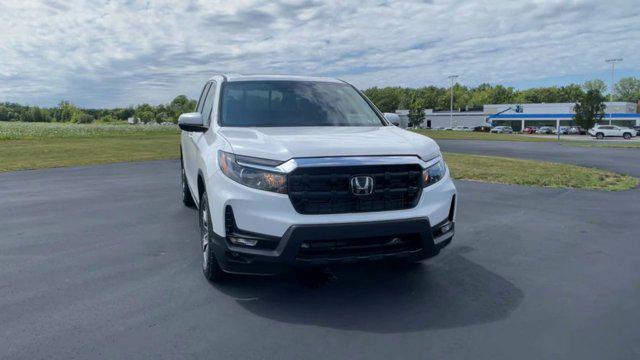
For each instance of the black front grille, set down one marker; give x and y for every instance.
(326, 190)
(369, 246)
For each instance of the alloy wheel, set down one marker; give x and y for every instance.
(204, 230)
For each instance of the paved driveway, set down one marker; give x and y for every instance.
(104, 262)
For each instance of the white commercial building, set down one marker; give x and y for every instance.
(445, 119)
(552, 114)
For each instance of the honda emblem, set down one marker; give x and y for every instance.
(361, 185)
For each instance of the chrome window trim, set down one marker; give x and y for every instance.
(292, 164)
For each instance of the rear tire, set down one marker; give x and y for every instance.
(626, 136)
(187, 199)
(210, 267)
(599, 136)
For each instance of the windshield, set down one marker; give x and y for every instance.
(294, 103)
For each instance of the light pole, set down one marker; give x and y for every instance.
(451, 77)
(613, 69)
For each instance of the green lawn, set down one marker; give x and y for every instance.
(36, 131)
(564, 139)
(34, 146)
(42, 145)
(48, 153)
(534, 173)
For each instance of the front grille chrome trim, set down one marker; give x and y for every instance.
(290, 165)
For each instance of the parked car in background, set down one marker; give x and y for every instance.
(577, 130)
(462, 128)
(544, 130)
(530, 130)
(482, 128)
(448, 128)
(602, 131)
(502, 130)
(637, 129)
(564, 130)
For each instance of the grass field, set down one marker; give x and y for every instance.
(534, 173)
(42, 145)
(564, 139)
(33, 131)
(35, 146)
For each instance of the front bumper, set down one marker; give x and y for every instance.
(273, 214)
(421, 241)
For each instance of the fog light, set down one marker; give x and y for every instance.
(445, 228)
(242, 241)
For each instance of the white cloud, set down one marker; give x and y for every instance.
(112, 53)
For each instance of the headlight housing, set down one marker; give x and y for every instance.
(252, 177)
(434, 173)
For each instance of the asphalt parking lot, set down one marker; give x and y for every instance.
(104, 262)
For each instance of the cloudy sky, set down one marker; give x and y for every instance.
(117, 53)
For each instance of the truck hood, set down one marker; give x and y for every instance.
(284, 143)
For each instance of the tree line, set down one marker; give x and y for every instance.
(387, 99)
(68, 112)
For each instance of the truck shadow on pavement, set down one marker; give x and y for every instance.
(446, 292)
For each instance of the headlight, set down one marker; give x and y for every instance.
(251, 177)
(434, 173)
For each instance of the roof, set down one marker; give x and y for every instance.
(559, 116)
(455, 113)
(257, 77)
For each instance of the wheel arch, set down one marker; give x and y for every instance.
(201, 184)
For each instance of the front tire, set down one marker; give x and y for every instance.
(210, 267)
(626, 136)
(599, 136)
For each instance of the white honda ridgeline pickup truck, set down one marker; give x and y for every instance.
(291, 171)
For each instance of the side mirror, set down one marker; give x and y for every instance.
(392, 118)
(191, 122)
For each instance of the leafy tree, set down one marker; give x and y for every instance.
(595, 84)
(146, 116)
(481, 95)
(416, 116)
(386, 99)
(180, 105)
(590, 109)
(123, 113)
(6, 114)
(570, 93)
(108, 119)
(415, 104)
(145, 113)
(35, 114)
(66, 112)
(628, 89)
(82, 118)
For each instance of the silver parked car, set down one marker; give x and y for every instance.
(545, 130)
(502, 130)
